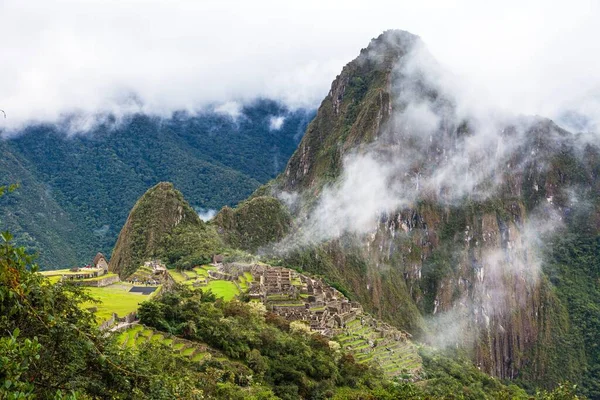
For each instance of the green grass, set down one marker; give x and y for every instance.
(157, 338)
(140, 340)
(122, 338)
(114, 299)
(243, 284)
(278, 297)
(248, 276)
(147, 333)
(201, 272)
(225, 289)
(189, 351)
(178, 346)
(191, 274)
(199, 356)
(99, 278)
(177, 276)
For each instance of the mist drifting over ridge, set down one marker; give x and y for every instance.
(64, 57)
(437, 150)
(438, 145)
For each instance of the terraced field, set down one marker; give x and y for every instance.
(140, 334)
(143, 274)
(114, 299)
(221, 288)
(395, 357)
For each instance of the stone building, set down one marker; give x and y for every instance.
(100, 262)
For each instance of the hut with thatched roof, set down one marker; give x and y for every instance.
(100, 262)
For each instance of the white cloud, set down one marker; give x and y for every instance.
(60, 56)
(275, 123)
(231, 108)
(206, 214)
(424, 153)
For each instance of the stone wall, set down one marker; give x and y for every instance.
(109, 280)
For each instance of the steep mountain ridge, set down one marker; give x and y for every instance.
(356, 107)
(435, 219)
(162, 225)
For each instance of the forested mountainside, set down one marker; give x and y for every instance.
(192, 343)
(467, 229)
(162, 225)
(76, 188)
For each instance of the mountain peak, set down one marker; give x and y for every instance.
(155, 215)
(392, 40)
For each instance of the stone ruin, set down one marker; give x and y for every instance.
(294, 296)
(298, 297)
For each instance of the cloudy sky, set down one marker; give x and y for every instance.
(57, 57)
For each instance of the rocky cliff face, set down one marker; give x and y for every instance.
(446, 246)
(357, 106)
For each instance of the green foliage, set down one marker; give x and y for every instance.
(68, 217)
(294, 364)
(50, 348)
(574, 268)
(162, 225)
(254, 223)
(15, 358)
(189, 246)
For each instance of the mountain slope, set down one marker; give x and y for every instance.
(161, 225)
(93, 178)
(434, 217)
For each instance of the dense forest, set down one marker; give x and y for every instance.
(50, 347)
(76, 188)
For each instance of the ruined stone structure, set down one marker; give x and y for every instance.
(294, 296)
(158, 268)
(298, 297)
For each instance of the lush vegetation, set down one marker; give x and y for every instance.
(68, 217)
(256, 222)
(574, 268)
(162, 225)
(50, 347)
(296, 363)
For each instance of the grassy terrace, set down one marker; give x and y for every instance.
(225, 289)
(54, 279)
(177, 276)
(394, 357)
(99, 278)
(114, 298)
(221, 288)
(139, 335)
